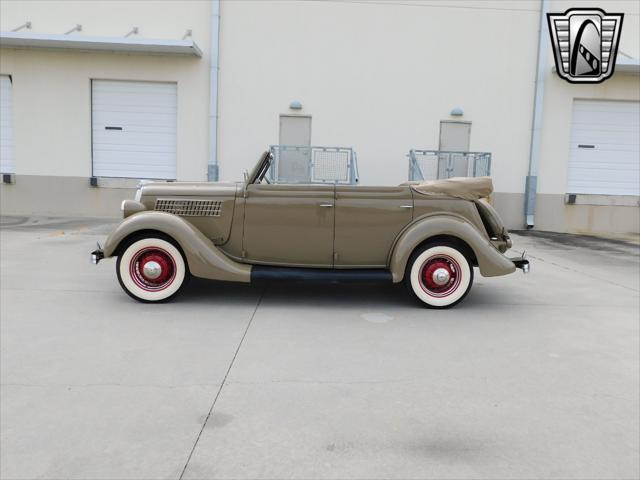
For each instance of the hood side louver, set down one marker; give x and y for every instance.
(190, 208)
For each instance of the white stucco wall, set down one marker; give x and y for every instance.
(379, 78)
(52, 89)
(559, 96)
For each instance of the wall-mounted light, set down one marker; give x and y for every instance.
(26, 25)
(133, 31)
(456, 112)
(77, 28)
(295, 105)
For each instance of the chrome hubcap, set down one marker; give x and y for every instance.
(441, 276)
(152, 270)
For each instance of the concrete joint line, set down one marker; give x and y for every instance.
(213, 404)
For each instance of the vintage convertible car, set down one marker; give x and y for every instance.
(429, 235)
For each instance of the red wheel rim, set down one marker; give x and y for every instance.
(152, 269)
(440, 276)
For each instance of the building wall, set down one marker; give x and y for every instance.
(593, 214)
(52, 107)
(384, 94)
(52, 98)
(378, 77)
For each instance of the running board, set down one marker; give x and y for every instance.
(327, 275)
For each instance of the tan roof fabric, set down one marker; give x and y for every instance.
(468, 188)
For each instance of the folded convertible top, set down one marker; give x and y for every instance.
(468, 188)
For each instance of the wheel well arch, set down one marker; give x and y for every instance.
(202, 257)
(449, 229)
(149, 233)
(451, 239)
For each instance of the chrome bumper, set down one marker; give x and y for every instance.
(521, 263)
(97, 255)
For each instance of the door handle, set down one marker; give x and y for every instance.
(406, 206)
(326, 205)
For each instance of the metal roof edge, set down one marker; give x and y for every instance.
(97, 43)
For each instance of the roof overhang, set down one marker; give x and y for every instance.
(629, 65)
(106, 44)
(623, 65)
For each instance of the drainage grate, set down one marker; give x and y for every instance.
(190, 208)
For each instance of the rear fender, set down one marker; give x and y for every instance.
(490, 261)
(205, 260)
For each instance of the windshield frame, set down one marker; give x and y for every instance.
(261, 168)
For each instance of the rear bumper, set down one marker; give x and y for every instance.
(521, 263)
(96, 256)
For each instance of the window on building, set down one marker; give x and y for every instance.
(134, 129)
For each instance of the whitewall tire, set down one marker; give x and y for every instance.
(439, 275)
(151, 269)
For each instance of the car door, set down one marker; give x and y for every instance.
(368, 220)
(289, 225)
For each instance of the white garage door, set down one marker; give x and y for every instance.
(134, 129)
(7, 155)
(605, 148)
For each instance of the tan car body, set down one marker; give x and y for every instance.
(224, 229)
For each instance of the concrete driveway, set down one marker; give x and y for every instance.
(530, 377)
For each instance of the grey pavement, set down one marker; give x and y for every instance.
(532, 376)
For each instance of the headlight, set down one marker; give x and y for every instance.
(129, 207)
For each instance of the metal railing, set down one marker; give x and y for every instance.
(305, 164)
(436, 164)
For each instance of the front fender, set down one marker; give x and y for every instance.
(490, 261)
(205, 260)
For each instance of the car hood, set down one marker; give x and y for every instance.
(190, 189)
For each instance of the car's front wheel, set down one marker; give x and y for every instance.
(439, 275)
(151, 269)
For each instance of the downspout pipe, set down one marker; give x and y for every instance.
(531, 184)
(214, 53)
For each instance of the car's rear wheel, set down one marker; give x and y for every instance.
(151, 268)
(439, 275)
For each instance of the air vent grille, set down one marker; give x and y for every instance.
(190, 208)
